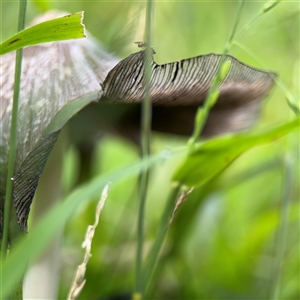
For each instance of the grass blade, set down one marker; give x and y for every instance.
(208, 159)
(40, 236)
(145, 143)
(13, 135)
(64, 28)
(160, 236)
(213, 93)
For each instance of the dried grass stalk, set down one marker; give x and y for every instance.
(79, 280)
(182, 197)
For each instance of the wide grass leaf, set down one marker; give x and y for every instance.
(64, 28)
(209, 158)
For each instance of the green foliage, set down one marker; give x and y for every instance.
(208, 159)
(34, 244)
(223, 241)
(65, 28)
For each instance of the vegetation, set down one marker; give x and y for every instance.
(237, 234)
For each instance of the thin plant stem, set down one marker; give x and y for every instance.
(290, 98)
(234, 28)
(160, 236)
(199, 123)
(145, 145)
(17, 293)
(289, 180)
(267, 7)
(283, 227)
(13, 135)
(203, 112)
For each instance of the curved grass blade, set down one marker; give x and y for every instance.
(64, 28)
(40, 236)
(210, 158)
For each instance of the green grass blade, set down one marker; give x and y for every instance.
(17, 291)
(64, 28)
(13, 136)
(145, 145)
(213, 93)
(160, 236)
(36, 242)
(266, 8)
(290, 98)
(287, 197)
(208, 159)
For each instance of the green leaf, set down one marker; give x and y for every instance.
(64, 28)
(209, 158)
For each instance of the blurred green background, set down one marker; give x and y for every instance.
(226, 239)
